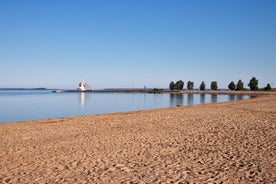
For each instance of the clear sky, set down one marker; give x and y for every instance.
(133, 43)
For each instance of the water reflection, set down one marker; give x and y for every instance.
(145, 99)
(231, 97)
(82, 99)
(214, 98)
(156, 98)
(202, 98)
(176, 99)
(239, 97)
(190, 99)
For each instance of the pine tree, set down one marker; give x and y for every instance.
(190, 85)
(214, 85)
(253, 84)
(179, 85)
(232, 85)
(268, 87)
(172, 85)
(239, 86)
(202, 86)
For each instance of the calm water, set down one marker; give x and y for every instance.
(25, 105)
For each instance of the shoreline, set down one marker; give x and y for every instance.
(228, 92)
(232, 142)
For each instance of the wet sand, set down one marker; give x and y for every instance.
(232, 142)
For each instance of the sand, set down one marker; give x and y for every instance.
(232, 142)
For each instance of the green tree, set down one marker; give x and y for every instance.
(253, 84)
(232, 85)
(179, 85)
(190, 85)
(214, 85)
(202, 86)
(239, 86)
(172, 85)
(268, 87)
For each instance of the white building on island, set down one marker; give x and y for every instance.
(83, 86)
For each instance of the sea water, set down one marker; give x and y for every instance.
(26, 105)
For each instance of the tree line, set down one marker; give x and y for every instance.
(253, 85)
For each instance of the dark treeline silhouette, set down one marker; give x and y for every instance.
(176, 86)
(253, 85)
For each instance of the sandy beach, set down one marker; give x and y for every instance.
(231, 142)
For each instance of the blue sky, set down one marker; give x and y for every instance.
(133, 43)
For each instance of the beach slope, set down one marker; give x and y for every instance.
(232, 142)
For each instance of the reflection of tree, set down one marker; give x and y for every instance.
(190, 99)
(239, 97)
(171, 99)
(176, 99)
(214, 98)
(231, 97)
(202, 98)
(235, 97)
